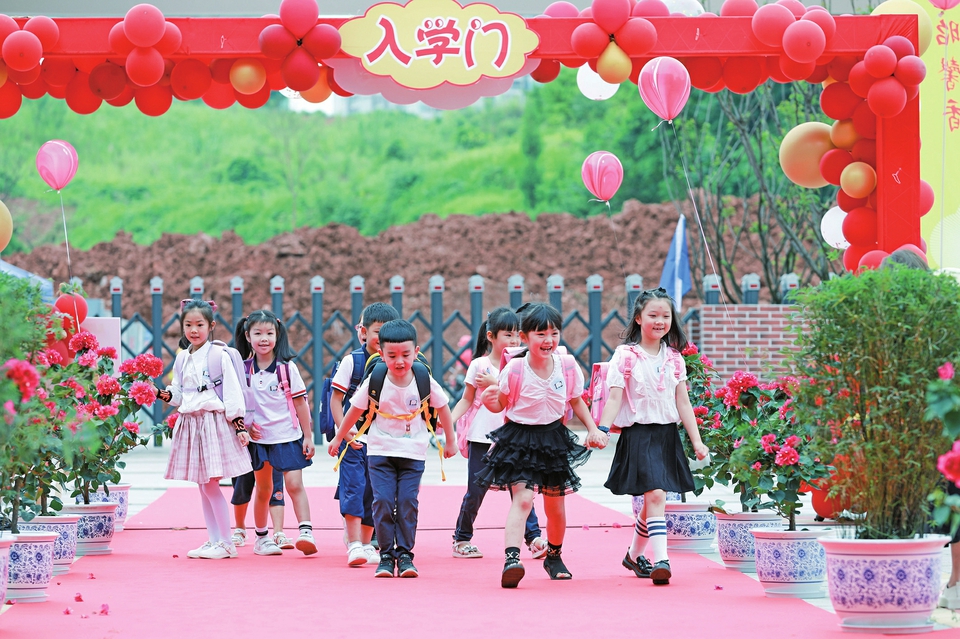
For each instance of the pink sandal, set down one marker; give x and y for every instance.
(537, 547)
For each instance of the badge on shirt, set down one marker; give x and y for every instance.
(558, 385)
(413, 403)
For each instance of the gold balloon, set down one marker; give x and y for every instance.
(248, 76)
(924, 23)
(800, 153)
(6, 226)
(320, 91)
(827, 82)
(843, 135)
(858, 179)
(613, 65)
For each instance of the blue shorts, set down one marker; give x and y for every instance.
(285, 456)
(353, 488)
(243, 489)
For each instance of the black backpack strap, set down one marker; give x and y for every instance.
(422, 375)
(356, 376)
(378, 374)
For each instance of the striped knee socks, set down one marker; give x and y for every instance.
(657, 527)
(640, 537)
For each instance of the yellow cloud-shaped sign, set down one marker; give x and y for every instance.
(429, 42)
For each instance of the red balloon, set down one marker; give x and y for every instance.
(838, 101)
(887, 97)
(860, 81)
(913, 248)
(636, 37)
(144, 66)
(10, 99)
(546, 71)
(45, 29)
(219, 96)
(7, 26)
(220, 70)
(840, 66)
(58, 71)
(796, 7)
(254, 100)
(664, 86)
(860, 226)
(912, 91)
(704, 72)
(865, 121)
(576, 63)
(880, 61)
(770, 22)
(589, 40)
(125, 97)
(299, 16)
(851, 256)
(190, 79)
(743, 8)
(55, 91)
(873, 259)
(276, 42)
(35, 90)
(795, 70)
(650, 9)
(717, 88)
(79, 96)
(300, 70)
(332, 81)
(118, 40)
(276, 83)
(144, 25)
(322, 41)
(743, 74)
(926, 197)
(819, 74)
(865, 150)
(586, 13)
(171, 39)
(22, 51)
(153, 101)
(610, 15)
(910, 70)
(24, 77)
(847, 203)
(167, 70)
(901, 46)
(775, 72)
(822, 18)
(88, 63)
(561, 10)
(108, 81)
(833, 163)
(804, 41)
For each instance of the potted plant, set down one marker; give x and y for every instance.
(867, 345)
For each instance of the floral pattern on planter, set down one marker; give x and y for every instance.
(95, 528)
(31, 568)
(792, 566)
(119, 495)
(690, 529)
(872, 584)
(735, 542)
(4, 570)
(65, 547)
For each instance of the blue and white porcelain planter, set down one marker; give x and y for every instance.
(791, 563)
(691, 527)
(120, 495)
(5, 543)
(65, 548)
(95, 528)
(889, 586)
(31, 567)
(735, 541)
(638, 501)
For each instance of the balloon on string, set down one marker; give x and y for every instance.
(602, 174)
(664, 85)
(831, 228)
(57, 163)
(944, 5)
(594, 87)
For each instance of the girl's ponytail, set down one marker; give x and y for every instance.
(282, 349)
(483, 344)
(502, 318)
(240, 341)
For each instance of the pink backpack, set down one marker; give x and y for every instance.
(283, 378)
(569, 364)
(215, 368)
(598, 390)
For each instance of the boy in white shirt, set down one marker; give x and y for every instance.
(397, 445)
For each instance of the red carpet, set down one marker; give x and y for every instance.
(154, 592)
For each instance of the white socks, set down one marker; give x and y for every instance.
(640, 537)
(657, 528)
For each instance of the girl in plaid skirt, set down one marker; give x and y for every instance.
(209, 438)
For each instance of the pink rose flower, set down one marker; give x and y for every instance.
(149, 365)
(691, 349)
(756, 466)
(737, 443)
(88, 359)
(946, 371)
(84, 341)
(768, 442)
(105, 411)
(109, 352)
(53, 357)
(172, 419)
(108, 385)
(792, 441)
(949, 464)
(143, 393)
(24, 375)
(787, 456)
(133, 427)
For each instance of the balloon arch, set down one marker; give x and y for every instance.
(869, 67)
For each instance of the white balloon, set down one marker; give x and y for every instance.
(831, 227)
(689, 8)
(593, 86)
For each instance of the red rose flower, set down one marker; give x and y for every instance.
(108, 385)
(949, 464)
(691, 349)
(143, 393)
(109, 352)
(84, 341)
(133, 427)
(149, 365)
(946, 371)
(24, 375)
(787, 456)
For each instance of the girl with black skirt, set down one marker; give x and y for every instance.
(649, 458)
(533, 451)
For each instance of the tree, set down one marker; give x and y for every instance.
(531, 144)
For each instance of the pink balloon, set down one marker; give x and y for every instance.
(602, 174)
(57, 163)
(664, 85)
(944, 5)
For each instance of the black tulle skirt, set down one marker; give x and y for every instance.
(648, 457)
(540, 457)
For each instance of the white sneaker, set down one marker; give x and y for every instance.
(305, 542)
(282, 540)
(373, 557)
(231, 548)
(239, 537)
(196, 553)
(266, 546)
(950, 597)
(356, 556)
(216, 551)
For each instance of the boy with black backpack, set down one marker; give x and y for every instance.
(353, 486)
(398, 401)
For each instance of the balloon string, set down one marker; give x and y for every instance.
(66, 241)
(623, 269)
(943, 148)
(703, 235)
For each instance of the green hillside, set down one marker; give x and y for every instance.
(263, 172)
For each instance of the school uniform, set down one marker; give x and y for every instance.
(533, 447)
(397, 450)
(281, 439)
(353, 480)
(649, 453)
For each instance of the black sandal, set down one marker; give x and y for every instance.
(553, 564)
(513, 570)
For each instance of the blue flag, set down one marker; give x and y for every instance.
(676, 269)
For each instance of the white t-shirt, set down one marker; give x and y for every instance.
(341, 382)
(484, 421)
(396, 437)
(270, 409)
(541, 401)
(194, 375)
(653, 385)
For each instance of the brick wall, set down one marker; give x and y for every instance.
(745, 336)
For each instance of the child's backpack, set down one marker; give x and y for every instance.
(599, 391)
(283, 379)
(569, 364)
(327, 424)
(215, 368)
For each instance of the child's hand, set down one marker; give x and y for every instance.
(449, 451)
(255, 433)
(308, 449)
(490, 399)
(701, 450)
(486, 379)
(334, 448)
(244, 438)
(352, 433)
(597, 439)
